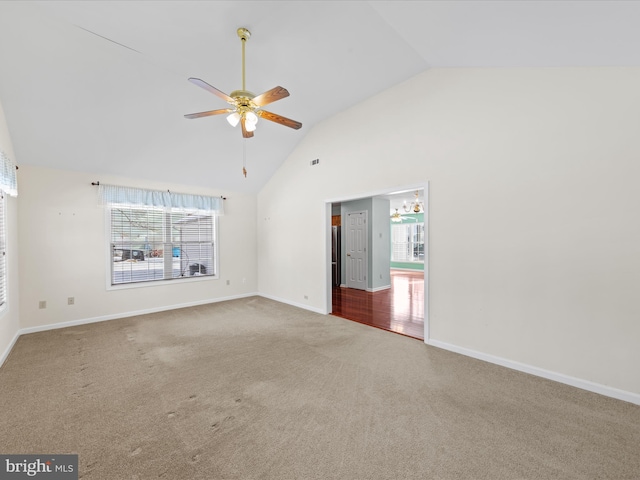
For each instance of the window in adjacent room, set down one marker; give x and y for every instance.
(407, 242)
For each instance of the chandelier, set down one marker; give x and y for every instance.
(396, 217)
(416, 206)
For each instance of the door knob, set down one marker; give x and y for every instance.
(348, 254)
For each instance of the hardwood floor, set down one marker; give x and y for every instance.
(399, 309)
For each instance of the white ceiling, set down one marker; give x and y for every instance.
(101, 86)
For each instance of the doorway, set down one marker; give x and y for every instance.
(406, 298)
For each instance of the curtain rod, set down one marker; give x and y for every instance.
(95, 184)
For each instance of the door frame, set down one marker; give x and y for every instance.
(427, 257)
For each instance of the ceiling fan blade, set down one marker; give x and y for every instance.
(214, 90)
(270, 96)
(245, 132)
(287, 122)
(209, 113)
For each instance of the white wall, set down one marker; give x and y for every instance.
(9, 317)
(533, 210)
(64, 251)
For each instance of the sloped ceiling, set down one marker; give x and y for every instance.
(101, 86)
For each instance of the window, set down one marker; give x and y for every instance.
(3, 254)
(8, 186)
(407, 242)
(150, 243)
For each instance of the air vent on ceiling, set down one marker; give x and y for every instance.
(315, 162)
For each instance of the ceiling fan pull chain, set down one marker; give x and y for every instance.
(244, 156)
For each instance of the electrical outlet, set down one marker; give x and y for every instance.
(71, 301)
(306, 297)
(228, 282)
(42, 304)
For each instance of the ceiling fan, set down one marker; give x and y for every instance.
(396, 217)
(246, 107)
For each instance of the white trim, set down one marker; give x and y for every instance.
(154, 283)
(327, 287)
(541, 372)
(115, 316)
(376, 193)
(378, 289)
(7, 350)
(427, 260)
(293, 304)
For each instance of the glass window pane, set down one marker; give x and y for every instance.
(150, 244)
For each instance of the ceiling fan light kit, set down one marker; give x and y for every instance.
(396, 217)
(246, 107)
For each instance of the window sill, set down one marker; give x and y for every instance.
(156, 283)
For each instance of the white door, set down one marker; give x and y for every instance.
(357, 250)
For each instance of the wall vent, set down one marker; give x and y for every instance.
(315, 162)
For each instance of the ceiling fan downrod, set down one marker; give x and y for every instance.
(244, 35)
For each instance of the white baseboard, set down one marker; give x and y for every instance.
(379, 289)
(376, 289)
(7, 350)
(540, 372)
(84, 321)
(293, 304)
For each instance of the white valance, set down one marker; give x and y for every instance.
(114, 195)
(8, 177)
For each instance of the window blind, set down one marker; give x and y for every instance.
(8, 186)
(8, 176)
(160, 235)
(150, 244)
(3, 253)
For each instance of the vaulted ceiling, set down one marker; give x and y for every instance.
(101, 86)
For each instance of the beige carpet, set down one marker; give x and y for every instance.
(254, 389)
